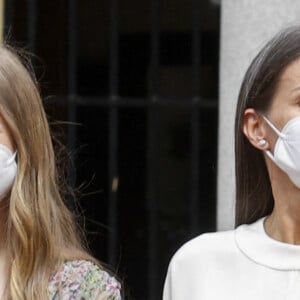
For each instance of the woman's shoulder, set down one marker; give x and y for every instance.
(82, 279)
(207, 245)
(219, 246)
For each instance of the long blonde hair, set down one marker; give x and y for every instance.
(41, 231)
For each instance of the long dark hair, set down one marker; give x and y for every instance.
(254, 198)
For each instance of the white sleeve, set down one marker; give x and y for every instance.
(167, 293)
(173, 286)
(183, 274)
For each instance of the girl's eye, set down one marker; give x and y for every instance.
(297, 101)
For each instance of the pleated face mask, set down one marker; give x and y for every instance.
(8, 170)
(286, 154)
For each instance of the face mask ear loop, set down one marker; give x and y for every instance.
(270, 155)
(11, 159)
(281, 135)
(274, 128)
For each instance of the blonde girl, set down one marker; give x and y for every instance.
(41, 256)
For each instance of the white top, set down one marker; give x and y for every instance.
(244, 263)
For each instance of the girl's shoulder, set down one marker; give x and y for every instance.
(81, 279)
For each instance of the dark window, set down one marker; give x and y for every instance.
(141, 79)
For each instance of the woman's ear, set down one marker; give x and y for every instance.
(254, 129)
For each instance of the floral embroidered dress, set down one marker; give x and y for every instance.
(83, 280)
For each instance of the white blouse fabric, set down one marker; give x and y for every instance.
(244, 263)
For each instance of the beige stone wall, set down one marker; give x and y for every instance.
(245, 26)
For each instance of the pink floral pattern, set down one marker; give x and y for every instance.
(83, 280)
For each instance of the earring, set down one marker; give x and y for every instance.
(262, 143)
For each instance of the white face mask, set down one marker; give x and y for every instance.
(287, 149)
(8, 170)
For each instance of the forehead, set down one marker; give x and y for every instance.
(290, 77)
(287, 90)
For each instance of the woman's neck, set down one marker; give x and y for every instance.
(284, 222)
(283, 229)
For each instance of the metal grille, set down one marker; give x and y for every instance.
(152, 103)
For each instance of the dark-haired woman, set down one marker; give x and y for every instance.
(260, 259)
